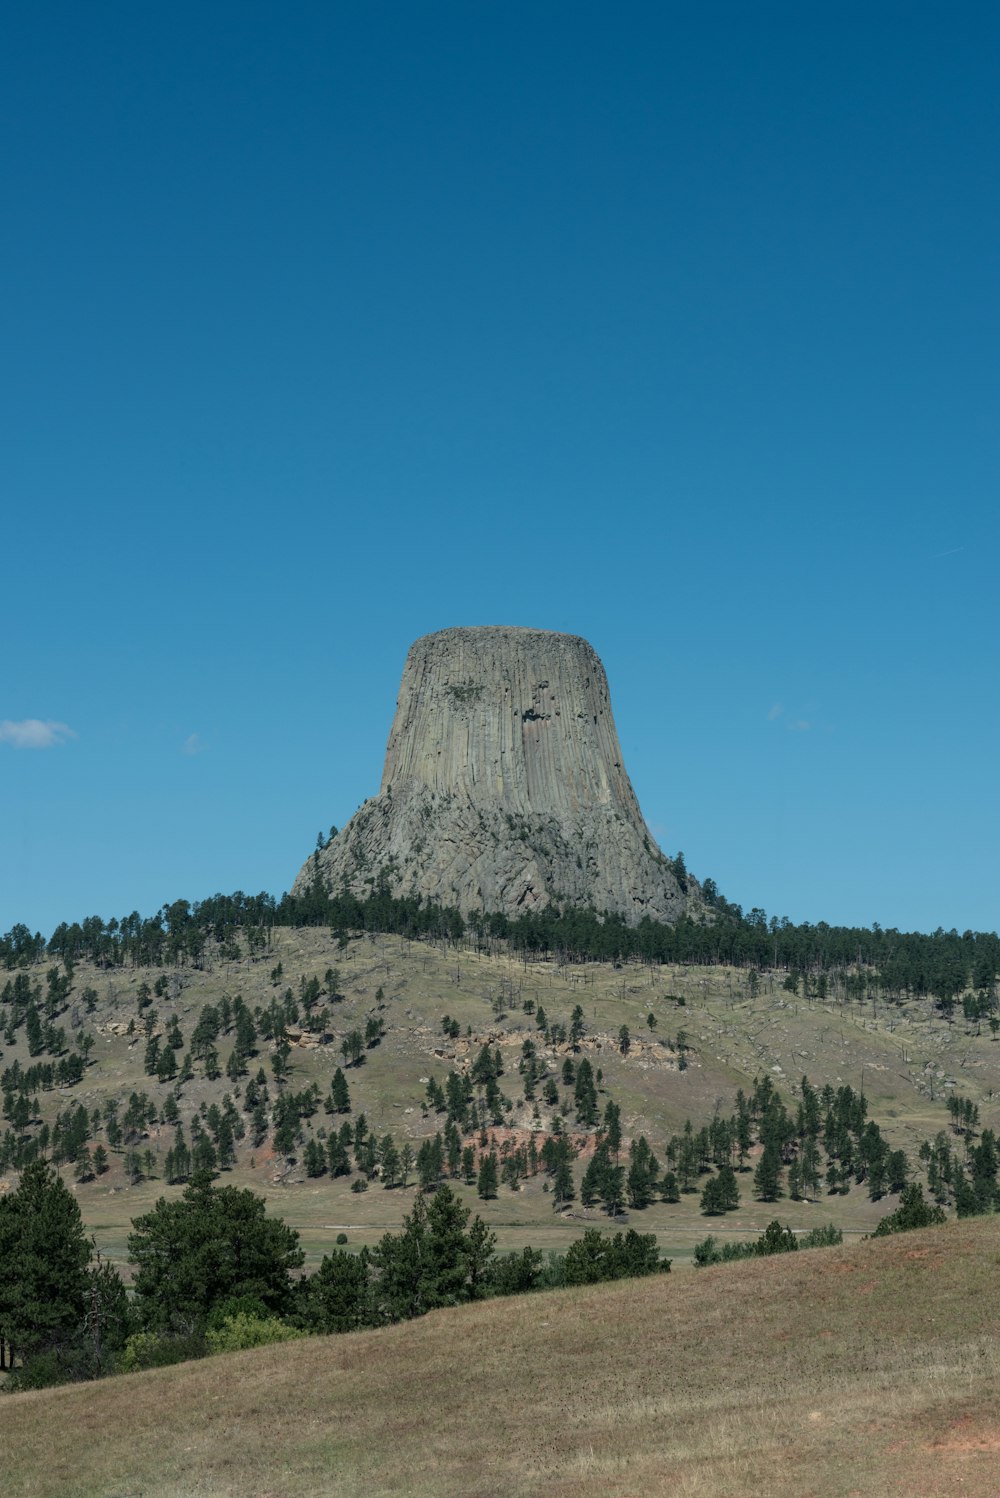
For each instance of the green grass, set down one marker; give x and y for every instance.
(866, 1370)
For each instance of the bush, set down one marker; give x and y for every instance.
(774, 1240)
(43, 1371)
(516, 1273)
(913, 1212)
(236, 1305)
(147, 1350)
(594, 1258)
(824, 1237)
(341, 1237)
(242, 1331)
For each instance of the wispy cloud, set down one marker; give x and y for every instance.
(34, 733)
(951, 552)
(791, 725)
(192, 744)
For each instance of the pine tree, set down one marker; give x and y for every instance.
(430, 1162)
(44, 1255)
(711, 1197)
(642, 1174)
(669, 1188)
(340, 1096)
(563, 1189)
(213, 1244)
(313, 1158)
(913, 1212)
(594, 1185)
(729, 1190)
(486, 1185)
(767, 1176)
(390, 1161)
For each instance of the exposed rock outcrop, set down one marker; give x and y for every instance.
(504, 786)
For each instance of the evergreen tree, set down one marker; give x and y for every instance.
(711, 1197)
(151, 1059)
(337, 1298)
(486, 1185)
(767, 1176)
(729, 1190)
(642, 1174)
(430, 1162)
(594, 1185)
(576, 1028)
(913, 1212)
(390, 1161)
(563, 1188)
(314, 1158)
(669, 1188)
(613, 1127)
(44, 1255)
(338, 1160)
(213, 1244)
(340, 1097)
(585, 1095)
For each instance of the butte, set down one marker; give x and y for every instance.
(504, 788)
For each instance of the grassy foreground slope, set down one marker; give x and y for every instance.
(870, 1369)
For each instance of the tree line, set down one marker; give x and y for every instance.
(214, 1273)
(894, 964)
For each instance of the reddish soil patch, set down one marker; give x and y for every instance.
(965, 1438)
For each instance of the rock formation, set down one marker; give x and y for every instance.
(504, 787)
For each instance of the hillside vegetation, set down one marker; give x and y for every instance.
(867, 1369)
(696, 1036)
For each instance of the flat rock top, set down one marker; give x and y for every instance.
(488, 633)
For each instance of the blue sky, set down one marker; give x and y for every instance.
(329, 325)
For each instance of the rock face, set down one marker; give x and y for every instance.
(504, 787)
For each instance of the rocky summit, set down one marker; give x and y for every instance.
(504, 787)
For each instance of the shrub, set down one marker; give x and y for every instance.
(913, 1212)
(242, 1331)
(774, 1240)
(147, 1350)
(824, 1237)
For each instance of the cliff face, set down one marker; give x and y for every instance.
(503, 786)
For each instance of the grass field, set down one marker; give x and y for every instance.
(864, 1370)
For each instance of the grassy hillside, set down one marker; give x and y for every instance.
(907, 1058)
(869, 1369)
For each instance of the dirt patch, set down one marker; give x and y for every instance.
(966, 1438)
(925, 1255)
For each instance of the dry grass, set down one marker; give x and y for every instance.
(858, 1371)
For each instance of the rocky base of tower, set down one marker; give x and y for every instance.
(480, 857)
